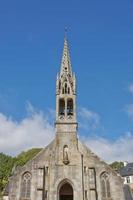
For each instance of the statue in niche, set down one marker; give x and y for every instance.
(65, 155)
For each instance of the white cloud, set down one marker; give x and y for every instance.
(33, 131)
(89, 120)
(130, 88)
(129, 110)
(119, 150)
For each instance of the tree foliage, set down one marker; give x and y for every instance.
(7, 163)
(117, 165)
(25, 156)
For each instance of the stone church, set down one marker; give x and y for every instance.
(66, 169)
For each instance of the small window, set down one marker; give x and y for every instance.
(65, 88)
(128, 179)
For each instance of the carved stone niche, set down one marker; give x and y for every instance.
(65, 155)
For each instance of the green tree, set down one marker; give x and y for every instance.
(25, 156)
(7, 163)
(117, 165)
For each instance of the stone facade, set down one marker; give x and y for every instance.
(66, 169)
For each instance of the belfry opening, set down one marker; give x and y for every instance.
(62, 107)
(66, 192)
(70, 107)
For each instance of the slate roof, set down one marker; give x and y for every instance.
(127, 170)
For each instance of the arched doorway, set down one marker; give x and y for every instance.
(66, 192)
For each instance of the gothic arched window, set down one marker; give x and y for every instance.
(108, 188)
(70, 107)
(105, 186)
(61, 107)
(26, 186)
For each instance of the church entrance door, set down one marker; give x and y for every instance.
(66, 192)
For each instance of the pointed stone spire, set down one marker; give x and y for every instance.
(66, 91)
(66, 63)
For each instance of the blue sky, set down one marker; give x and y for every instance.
(100, 35)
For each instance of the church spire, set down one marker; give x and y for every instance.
(66, 63)
(66, 90)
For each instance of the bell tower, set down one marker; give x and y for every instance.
(66, 94)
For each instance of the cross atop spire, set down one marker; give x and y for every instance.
(66, 29)
(66, 63)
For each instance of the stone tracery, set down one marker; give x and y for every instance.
(26, 186)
